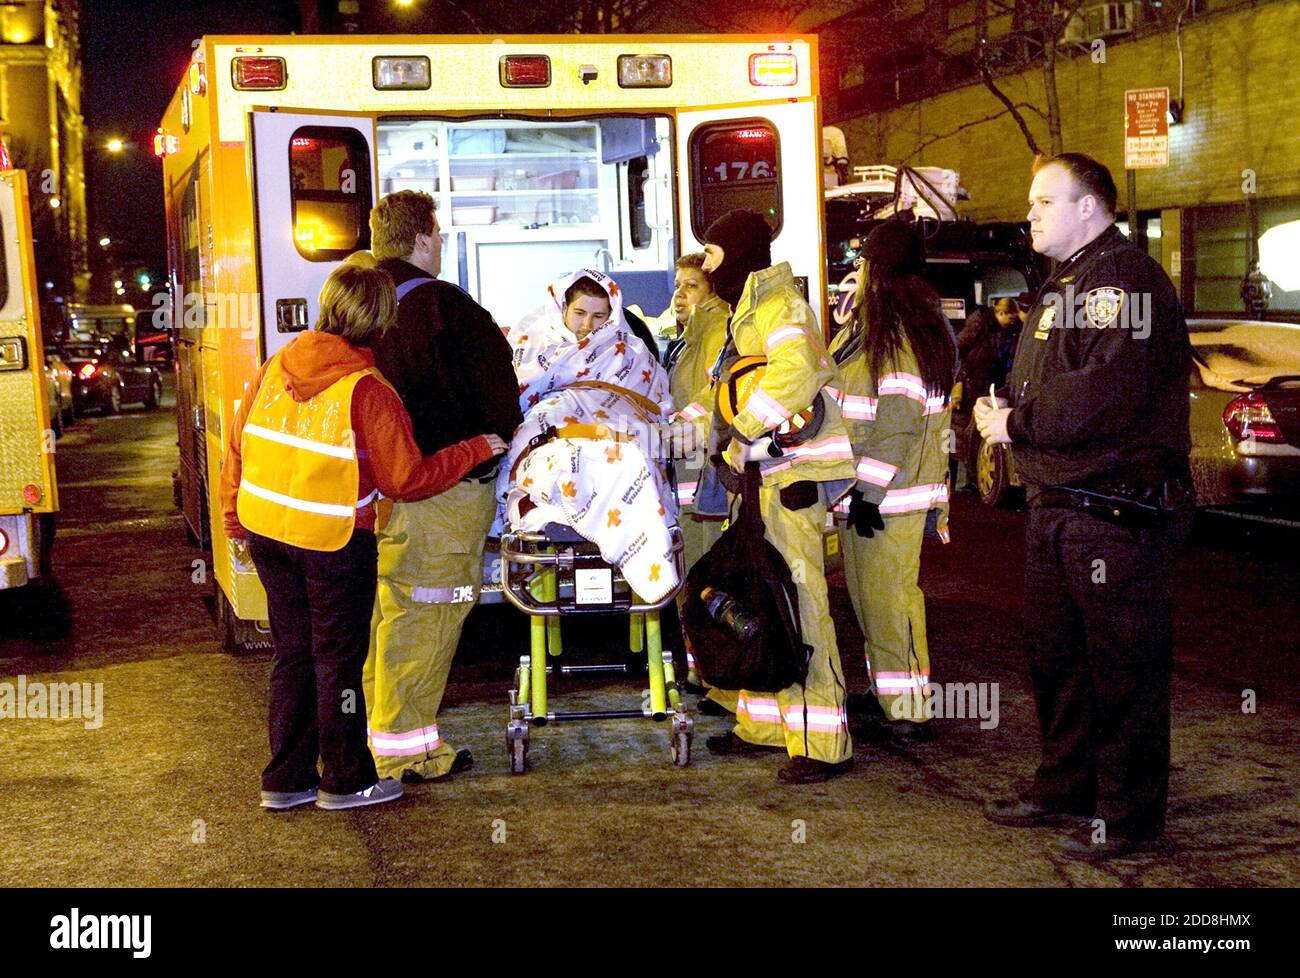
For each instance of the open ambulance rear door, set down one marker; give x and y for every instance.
(314, 185)
(764, 158)
(28, 495)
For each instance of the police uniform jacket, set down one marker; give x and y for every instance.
(1099, 385)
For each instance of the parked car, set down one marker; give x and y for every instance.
(106, 376)
(1245, 420)
(58, 381)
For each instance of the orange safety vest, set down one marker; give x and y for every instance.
(300, 472)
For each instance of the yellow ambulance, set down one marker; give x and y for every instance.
(544, 154)
(28, 494)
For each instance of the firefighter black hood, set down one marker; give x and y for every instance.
(746, 243)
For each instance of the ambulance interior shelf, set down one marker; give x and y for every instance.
(524, 201)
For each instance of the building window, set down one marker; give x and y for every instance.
(735, 165)
(329, 175)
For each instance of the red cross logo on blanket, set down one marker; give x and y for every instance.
(570, 489)
(620, 347)
(614, 518)
(613, 288)
(654, 572)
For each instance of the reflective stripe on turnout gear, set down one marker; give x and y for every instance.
(405, 742)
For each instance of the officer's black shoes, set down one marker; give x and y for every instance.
(1081, 844)
(804, 770)
(463, 761)
(1024, 813)
(711, 708)
(731, 745)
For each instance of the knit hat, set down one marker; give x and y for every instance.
(746, 242)
(894, 249)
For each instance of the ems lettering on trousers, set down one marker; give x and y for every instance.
(430, 570)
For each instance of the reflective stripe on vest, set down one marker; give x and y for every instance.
(300, 469)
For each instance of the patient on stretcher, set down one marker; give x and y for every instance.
(593, 396)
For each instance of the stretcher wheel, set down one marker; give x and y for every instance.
(679, 742)
(517, 748)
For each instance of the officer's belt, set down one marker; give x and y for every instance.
(1132, 506)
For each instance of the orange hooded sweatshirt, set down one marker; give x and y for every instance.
(387, 457)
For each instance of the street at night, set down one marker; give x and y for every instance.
(462, 457)
(159, 795)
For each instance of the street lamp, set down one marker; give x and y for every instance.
(105, 242)
(55, 203)
(114, 145)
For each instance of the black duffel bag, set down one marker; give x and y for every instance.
(746, 568)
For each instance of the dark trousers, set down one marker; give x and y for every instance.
(1098, 610)
(320, 606)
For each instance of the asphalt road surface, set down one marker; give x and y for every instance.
(164, 791)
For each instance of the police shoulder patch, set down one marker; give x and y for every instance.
(1102, 305)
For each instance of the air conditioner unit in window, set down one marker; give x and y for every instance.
(1109, 19)
(1100, 20)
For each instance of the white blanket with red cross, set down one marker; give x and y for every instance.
(607, 485)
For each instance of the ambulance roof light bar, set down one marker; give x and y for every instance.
(525, 71)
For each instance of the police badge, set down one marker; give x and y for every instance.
(1102, 306)
(1045, 321)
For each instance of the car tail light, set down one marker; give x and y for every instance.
(87, 371)
(32, 494)
(263, 73)
(525, 71)
(1248, 416)
(645, 71)
(773, 68)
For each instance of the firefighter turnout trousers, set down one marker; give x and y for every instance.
(808, 720)
(430, 570)
(882, 573)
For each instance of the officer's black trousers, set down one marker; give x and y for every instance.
(320, 605)
(1099, 638)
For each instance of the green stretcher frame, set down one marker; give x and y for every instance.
(532, 568)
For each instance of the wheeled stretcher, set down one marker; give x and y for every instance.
(554, 573)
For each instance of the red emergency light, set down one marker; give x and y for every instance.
(165, 144)
(263, 73)
(525, 71)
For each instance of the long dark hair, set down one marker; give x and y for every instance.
(894, 309)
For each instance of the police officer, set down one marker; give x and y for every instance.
(1098, 421)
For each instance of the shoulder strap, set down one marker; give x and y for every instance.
(409, 285)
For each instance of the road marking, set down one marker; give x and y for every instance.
(1253, 517)
(119, 526)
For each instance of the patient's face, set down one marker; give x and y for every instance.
(585, 313)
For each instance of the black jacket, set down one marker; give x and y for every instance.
(449, 362)
(1099, 386)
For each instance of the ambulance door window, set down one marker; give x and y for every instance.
(330, 182)
(735, 165)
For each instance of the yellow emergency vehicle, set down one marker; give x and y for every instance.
(544, 154)
(28, 494)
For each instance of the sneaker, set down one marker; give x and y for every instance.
(805, 770)
(729, 743)
(280, 800)
(381, 791)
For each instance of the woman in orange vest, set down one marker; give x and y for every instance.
(319, 437)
